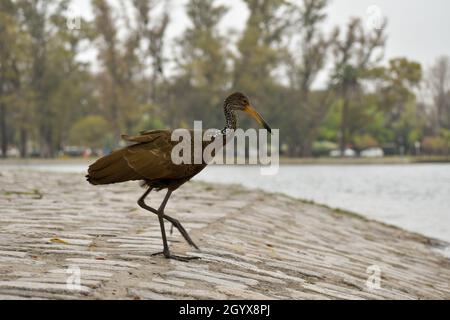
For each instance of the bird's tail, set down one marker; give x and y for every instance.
(112, 168)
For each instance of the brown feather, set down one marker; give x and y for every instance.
(112, 168)
(149, 159)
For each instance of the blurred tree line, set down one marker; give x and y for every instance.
(50, 99)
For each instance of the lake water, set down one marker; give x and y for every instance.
(415, 197)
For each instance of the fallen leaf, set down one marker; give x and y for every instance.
(57, 240)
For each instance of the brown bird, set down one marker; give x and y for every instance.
(149, 160)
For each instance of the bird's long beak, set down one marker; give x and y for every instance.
(254, 114)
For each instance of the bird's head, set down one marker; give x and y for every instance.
(238, 101)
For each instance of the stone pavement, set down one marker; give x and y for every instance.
(61, 238)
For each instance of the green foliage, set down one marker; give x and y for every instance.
(365, 141)
(147, 121)
(89, 131)
(435, 145)
(398, 101)
(323, 148)
(445, 134)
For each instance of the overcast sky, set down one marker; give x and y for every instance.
(417, 29)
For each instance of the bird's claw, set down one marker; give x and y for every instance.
(182, 258)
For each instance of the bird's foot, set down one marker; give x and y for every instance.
(182, 258)
(168, 255)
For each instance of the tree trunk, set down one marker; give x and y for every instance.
(344, 125)
(47, 147)
(3, 130)
(23, 143)
(293, 151)
(306, 148)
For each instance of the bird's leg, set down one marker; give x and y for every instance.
(174, 222)
(166, 251)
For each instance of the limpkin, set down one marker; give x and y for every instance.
(149, 160)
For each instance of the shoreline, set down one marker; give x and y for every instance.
(358, 160)
(389, 160)
(255, 245)
(439, 244)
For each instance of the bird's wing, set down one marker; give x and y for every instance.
(151, 156)
(152, 131)
(145, 136)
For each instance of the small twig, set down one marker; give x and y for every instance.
(35, 192)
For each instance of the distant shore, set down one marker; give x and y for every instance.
(360, 160)
(283, 160)
(254, 245)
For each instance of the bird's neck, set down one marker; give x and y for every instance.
(230, 117)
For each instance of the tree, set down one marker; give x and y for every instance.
(398, 101)
(110, 80)
(151, 30)
(260, 46)
(438, 80)
(354, 56)
(117, 92)
(123, 81)
(304, 65)
(261, 49)
(10, 49)
(52, 52)
(203, 76)
(36, 18)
